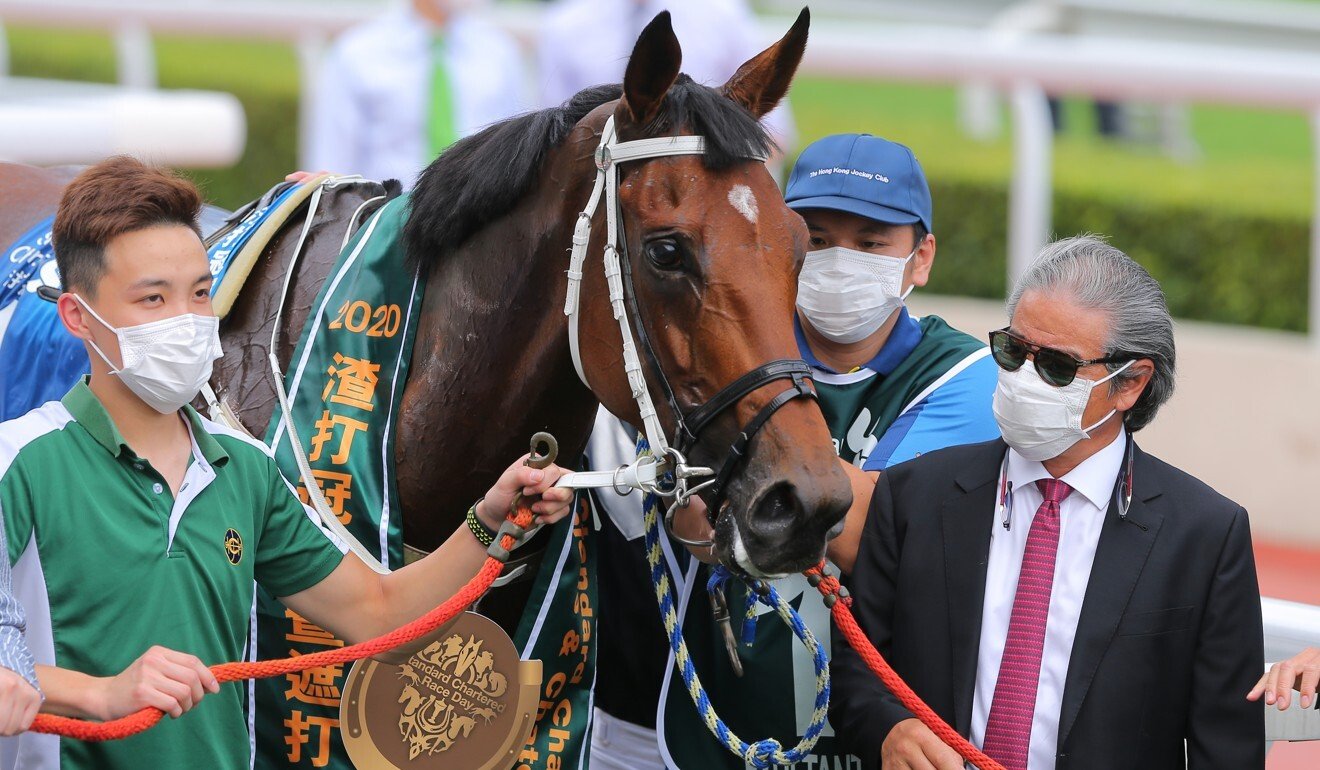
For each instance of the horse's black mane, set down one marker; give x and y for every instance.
(481, 177)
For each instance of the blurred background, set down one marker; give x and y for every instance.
(1184, 130)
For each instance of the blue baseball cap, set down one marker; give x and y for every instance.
(864, 175)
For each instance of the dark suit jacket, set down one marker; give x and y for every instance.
(1168, 643)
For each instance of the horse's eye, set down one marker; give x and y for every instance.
(664, 253)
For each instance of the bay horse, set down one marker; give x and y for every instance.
(714, 255)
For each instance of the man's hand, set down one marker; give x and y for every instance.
(554, 504)
(912, 746)
(302, 176)
(165, 679)
(691, 522)
(1302, 671)
(19, 702)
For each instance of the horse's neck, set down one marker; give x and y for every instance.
(490, 367)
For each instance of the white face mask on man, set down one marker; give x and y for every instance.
(1042, 421)
(847, 295)
(165, 362)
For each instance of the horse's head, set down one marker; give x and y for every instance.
(714, 256)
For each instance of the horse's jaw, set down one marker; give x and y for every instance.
(743, 561)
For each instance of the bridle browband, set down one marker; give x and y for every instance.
(667, 473)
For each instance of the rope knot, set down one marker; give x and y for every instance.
(765, 753)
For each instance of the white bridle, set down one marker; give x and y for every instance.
(643, 473)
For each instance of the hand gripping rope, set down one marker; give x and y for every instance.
(510, 535)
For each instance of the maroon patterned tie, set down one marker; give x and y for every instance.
(1008, 730)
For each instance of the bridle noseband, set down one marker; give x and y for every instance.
(674, 475)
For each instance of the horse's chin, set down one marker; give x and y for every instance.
(742, 561)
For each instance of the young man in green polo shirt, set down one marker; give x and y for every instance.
(133, 522)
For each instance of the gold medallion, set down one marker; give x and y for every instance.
(464, 700)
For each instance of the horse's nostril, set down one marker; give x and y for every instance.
(777, 512)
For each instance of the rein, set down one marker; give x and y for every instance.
(840, 607)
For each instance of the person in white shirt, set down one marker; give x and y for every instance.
(586, 42)
(394, 92)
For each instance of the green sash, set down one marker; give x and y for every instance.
(345, 383)
(559, 629)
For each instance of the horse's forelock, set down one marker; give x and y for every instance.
(481, 177)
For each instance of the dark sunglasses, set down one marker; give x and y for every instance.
(1054, 366)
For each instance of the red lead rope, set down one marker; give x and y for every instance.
(829, 587)
(843, 618)
(231, 672)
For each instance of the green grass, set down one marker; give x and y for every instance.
(1253, 162)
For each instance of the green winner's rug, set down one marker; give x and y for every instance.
(345, 385)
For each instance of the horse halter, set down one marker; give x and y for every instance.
(667, 473)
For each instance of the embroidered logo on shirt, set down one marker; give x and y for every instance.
(233, 546)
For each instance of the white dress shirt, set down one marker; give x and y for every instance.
(373, 91)
(587, 42)
(1080, 519)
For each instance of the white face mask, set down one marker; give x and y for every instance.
(166, 362)
(1039, 420)
(847, 294)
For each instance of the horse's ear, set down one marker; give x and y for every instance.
(763, 80)
(652, 69)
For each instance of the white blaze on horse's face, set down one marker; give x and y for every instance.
(743, 201)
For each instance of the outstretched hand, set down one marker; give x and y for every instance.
(554, 504)
(1301, 672)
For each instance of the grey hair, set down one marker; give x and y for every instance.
(1097, 275)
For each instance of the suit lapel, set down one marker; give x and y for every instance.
(967, 519)
(1120, 557)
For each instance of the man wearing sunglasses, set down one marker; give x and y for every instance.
(1062, 598)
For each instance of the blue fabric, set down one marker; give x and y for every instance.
(223, 251)
(903, 339)
(864, 175)
(957, 412)
(41, 360)
(32, 250)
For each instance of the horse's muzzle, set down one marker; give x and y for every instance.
(784, 529)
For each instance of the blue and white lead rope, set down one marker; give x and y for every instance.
(763, 753)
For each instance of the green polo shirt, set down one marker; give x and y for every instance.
(108, 563)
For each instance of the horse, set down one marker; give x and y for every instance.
(713, 254)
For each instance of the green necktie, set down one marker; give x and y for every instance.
(440, 131)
